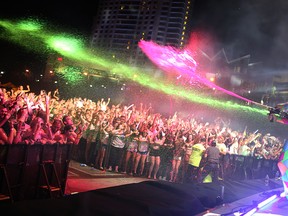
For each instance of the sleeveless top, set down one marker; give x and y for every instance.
(143, 146)
(104, 138)
(118, 141)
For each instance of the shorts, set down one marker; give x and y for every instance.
(143, 153)
(104, 146)
(155, 153)
(179, 158)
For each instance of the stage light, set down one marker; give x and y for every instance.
(265, 202)
(283, 194)
(251, 212)
(260, 205)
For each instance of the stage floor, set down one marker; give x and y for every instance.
(95, 192)
(277, 207)
(249, 192)
(238, 195)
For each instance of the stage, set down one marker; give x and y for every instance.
(249, 206)
(155, 198)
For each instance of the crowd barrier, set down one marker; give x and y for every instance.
(232, 166)
(40, 171)
(239, 167)
(33, 171)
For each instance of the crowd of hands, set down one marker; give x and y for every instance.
(45, 118)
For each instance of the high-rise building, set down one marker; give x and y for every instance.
(119, 25)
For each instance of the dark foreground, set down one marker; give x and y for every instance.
(94, 192)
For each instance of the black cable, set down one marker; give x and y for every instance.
(241, 209)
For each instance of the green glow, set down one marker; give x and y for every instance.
(34, 35)
(71, 74)
(30, 25)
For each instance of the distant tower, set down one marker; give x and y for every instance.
(120, 25)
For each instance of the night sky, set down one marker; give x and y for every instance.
(255, 27)
(241, 27)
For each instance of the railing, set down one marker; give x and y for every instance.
(22, 164)
(239, 167)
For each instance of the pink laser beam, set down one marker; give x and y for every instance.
(181, 62)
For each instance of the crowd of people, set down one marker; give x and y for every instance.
(129, 138)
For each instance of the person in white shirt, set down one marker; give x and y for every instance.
(234, 146)
(223, 151)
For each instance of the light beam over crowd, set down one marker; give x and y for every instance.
(35, 36)
(180, 61)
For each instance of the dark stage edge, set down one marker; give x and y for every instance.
(145, 198)
(277, 207)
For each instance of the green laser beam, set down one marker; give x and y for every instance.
(39, 37)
